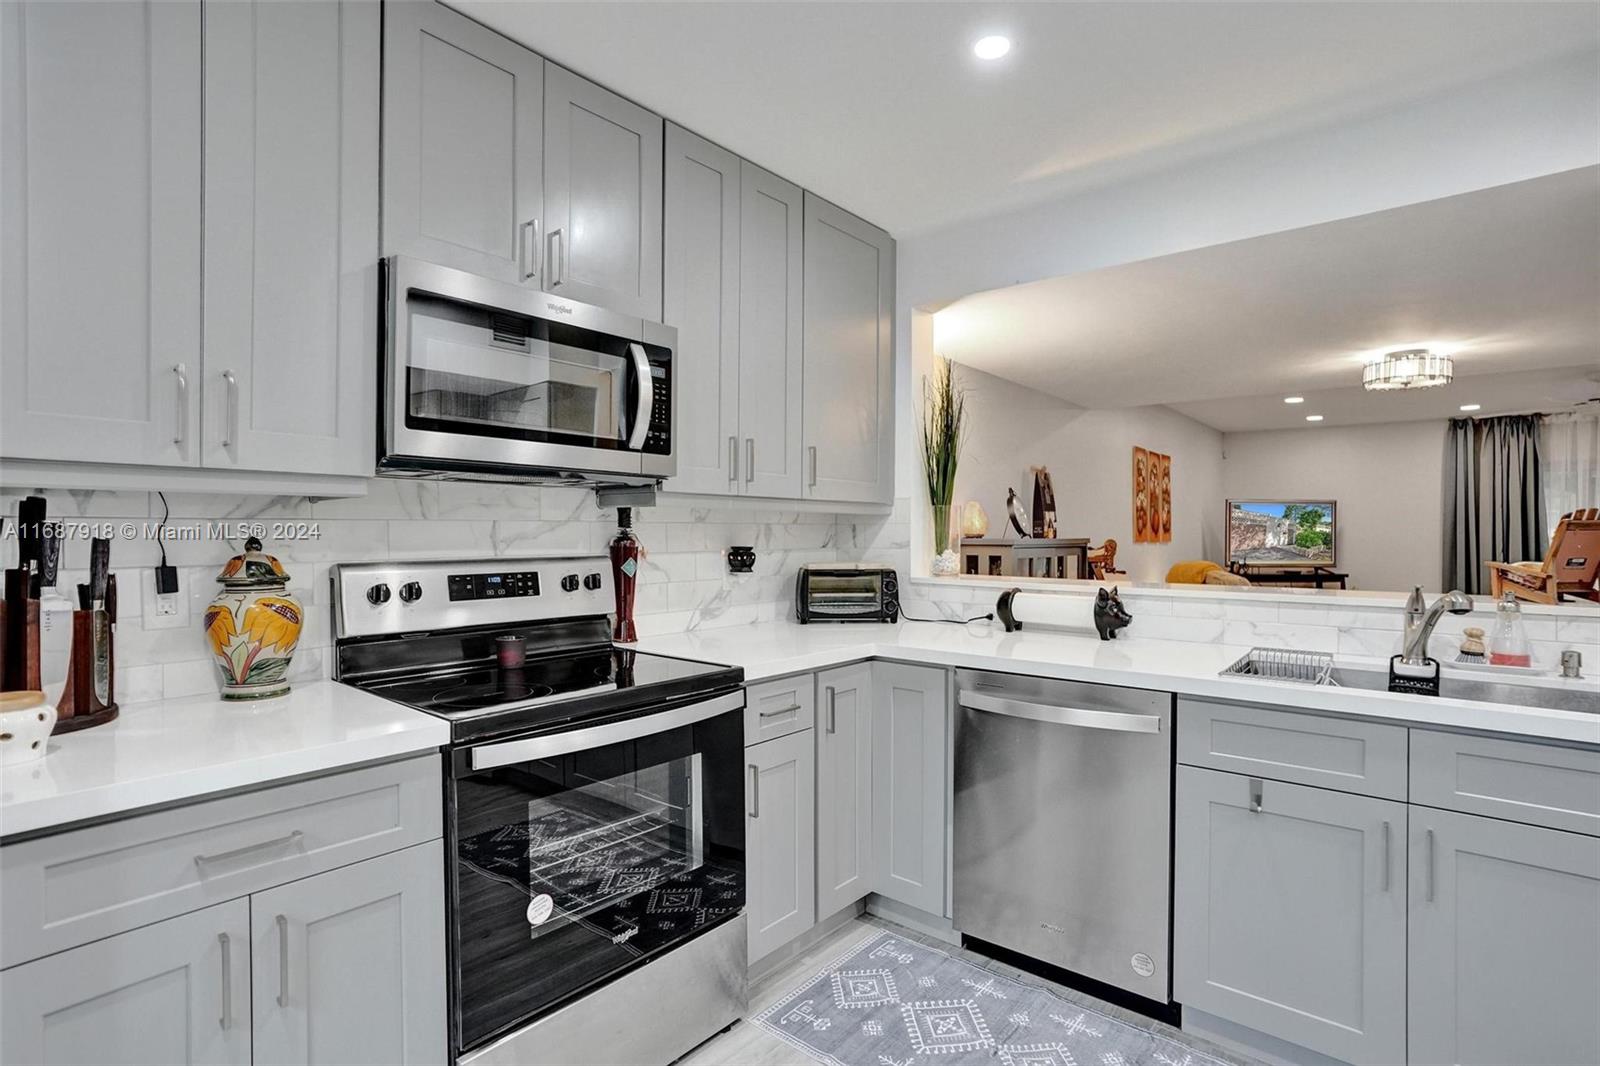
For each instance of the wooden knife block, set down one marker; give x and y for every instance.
(79, 708)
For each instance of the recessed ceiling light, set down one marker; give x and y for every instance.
(1294, 399)
(1313, 418)
(992, 47)
(1472, 407)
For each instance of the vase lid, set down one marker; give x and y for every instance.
(253, 568)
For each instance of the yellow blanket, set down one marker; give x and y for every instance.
(1191, 572)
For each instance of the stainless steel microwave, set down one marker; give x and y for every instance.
(485, 379)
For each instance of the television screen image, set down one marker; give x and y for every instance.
(1282, 532)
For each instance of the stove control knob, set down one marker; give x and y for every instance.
(410, 592)
(593, 582)
(569, 583)
(378, 594)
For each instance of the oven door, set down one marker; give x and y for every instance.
(580, 855)
(482, 374)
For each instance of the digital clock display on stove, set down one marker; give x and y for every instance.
(493, 586)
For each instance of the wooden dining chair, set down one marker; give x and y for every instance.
(1103, 561)
(1570, 568)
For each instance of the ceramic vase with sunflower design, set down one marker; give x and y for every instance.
(253, 625)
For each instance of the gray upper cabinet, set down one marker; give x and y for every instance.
(848, 403)
(1505, 920)
(463, 141)
(771, 301)
(348, 966)
(780, 840)
(174, 992)
(911, 776)
(702, 302)
(291, 235)
(602, 196)
(100, 265)
(1289, 912)
(845, 857)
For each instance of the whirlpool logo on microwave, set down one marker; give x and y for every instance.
(560, 309)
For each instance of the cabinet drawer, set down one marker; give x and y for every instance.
(778, 708)
(1540, 784)
(68, 889)
(1307, 749)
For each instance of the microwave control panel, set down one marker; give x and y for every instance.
(658, 438)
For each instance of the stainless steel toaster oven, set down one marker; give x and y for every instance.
(846, 593)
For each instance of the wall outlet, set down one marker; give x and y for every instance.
(164, 610)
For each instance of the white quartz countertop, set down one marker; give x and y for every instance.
(182, 749)
(771, 649)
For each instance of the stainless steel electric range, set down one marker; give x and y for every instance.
(594, 807)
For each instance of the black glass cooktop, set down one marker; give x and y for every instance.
(552, 690)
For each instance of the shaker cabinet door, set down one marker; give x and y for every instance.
(844, 730)
(912, 779)
(771, 298)
(348, 966)
(849, 356)
(291, 227)
(174, 992)
(100, 262)
(1290, 912)
(462, 144)
(780, 838)
(702, 303)
(602, 196)
(1505, 924)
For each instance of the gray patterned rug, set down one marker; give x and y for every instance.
(890, 1001)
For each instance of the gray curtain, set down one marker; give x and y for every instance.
(1494, 498)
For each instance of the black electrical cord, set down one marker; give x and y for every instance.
(166, 513)
(953, 621)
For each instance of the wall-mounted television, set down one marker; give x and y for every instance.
(1283, 533)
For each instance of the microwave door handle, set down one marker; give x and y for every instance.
(641, 410)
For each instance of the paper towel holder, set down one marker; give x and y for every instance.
(1002, 610)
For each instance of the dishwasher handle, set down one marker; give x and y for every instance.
(1082, 717)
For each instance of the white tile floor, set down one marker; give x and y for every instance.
(751, 1045)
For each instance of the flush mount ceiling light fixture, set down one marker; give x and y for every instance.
(991, 47)
(1411, 368)
(1313, 418)
(1294, 399)
(1472, 407)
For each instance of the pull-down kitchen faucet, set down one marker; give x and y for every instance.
(1420, 620)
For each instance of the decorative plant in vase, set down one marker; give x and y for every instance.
(943, 432)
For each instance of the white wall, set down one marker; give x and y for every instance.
(1090, 458)
(1388, 481)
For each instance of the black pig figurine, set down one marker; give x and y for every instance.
(1109, 614)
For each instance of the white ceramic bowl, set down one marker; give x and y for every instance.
(26, 720)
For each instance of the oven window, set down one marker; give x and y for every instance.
(572, 869)
(474, 371)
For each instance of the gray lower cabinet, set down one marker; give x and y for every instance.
(1504, 960)
(348, 966)
(602, 196)
(847, 399)
(174, 992)
(845, 859)
(463, 143)
(291, 231)
(911, 777)
(1289, 912)
(100, 264)
(780, 840)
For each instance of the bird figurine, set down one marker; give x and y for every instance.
(1019, 517)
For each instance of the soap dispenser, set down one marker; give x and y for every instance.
(1508, 644)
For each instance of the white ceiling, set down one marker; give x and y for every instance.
(882, 107)
(1505, 279)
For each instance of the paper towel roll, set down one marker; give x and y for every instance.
(1056, 610)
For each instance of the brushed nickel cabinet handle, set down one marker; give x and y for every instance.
(283, 961)
(1387, 862)
(733, 458)
(1255, 795)
(231, 438)
(557, 271)
(180, 429)
(833, 699)
(1428, 838)
(223, 856)
(755, 791)
(226, 1021)
(793, 707)
(528, 248)
(749, 460)
(812, 483)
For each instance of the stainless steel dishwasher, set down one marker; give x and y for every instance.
(1063, 825)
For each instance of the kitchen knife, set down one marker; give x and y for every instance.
(99, 577)
(30, 526)
(49, 557)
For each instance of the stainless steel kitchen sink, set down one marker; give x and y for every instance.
(1456, 687)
